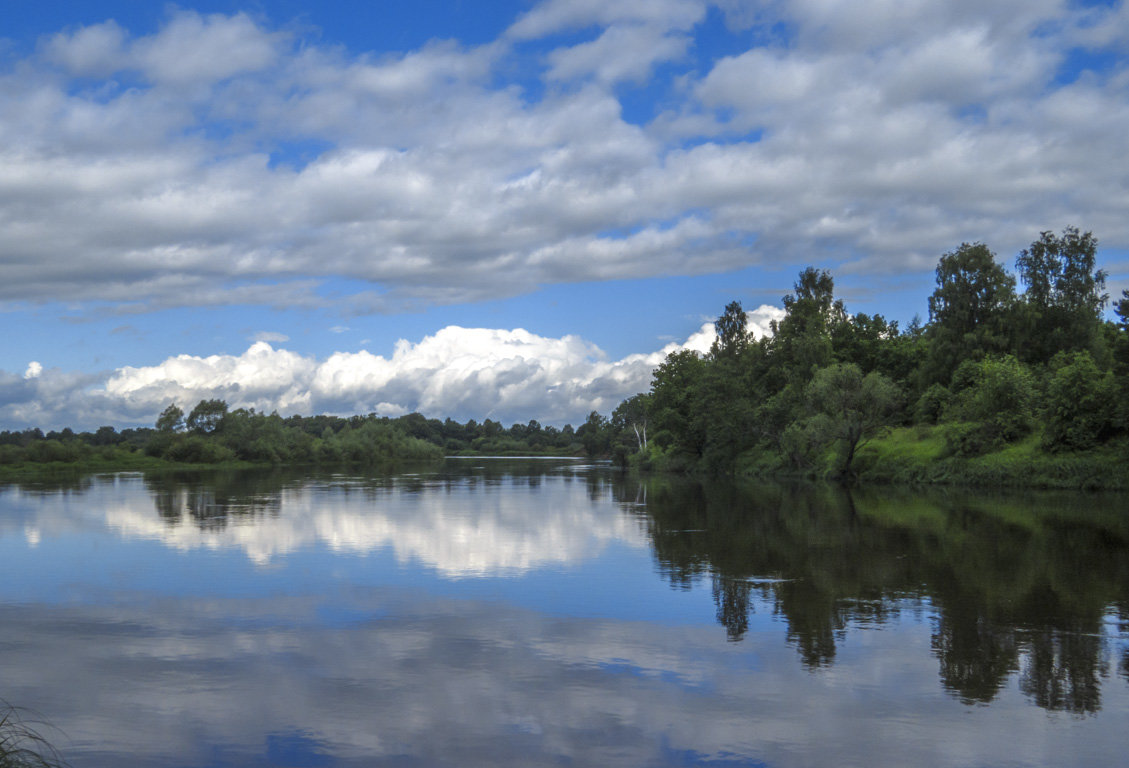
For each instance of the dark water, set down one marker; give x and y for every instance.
(556, 613)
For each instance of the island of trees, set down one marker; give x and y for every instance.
(997, 387)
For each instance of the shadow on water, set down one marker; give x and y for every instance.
(1015, 585)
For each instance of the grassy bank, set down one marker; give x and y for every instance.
(123, 462)
(920, 455)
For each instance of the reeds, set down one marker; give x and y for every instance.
(21, 744)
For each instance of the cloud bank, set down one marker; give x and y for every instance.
(223, 160)
(462, 373)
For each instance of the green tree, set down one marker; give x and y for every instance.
(205, 418)
(675, 402)
(171, 419)
(1078, 409)
(1062, 306)
(732, 334)
(595, 434)
(1122, 309)
(801, 341)
(993, 400)
(850, 408)
(969, 309)
(630, 419)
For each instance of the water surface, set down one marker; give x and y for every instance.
(491, 612)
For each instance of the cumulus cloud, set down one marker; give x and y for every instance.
(220, 160)
(461, 373)
(191, 49)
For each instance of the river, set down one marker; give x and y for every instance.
(491, 612)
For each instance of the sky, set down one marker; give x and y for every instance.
(509, 210)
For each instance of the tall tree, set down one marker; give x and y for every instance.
(801, 341)
(171, 419)
(206, 416)
(732, 334)
(675, 402)
(1062, 306)
(969, 309)
(630, 416)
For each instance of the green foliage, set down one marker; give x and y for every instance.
(171, 419)
(630, 419)
(595, 435)
(969, 310)
(1122, 310)
(802, 341)
(850, 408)
(931, 406)
(732, 336)
(993, 400)
(804, 441)
(1063, 303)
(1079, 403)
(196, 449)
(206, 416)
(921, 455)
(675, 410)
(806, 398)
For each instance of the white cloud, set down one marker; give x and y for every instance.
(462, 373)
(93, 51)
(246, 165)
(555, 16)
(271, 337)
(621, 53)
(193, 49)
(33, 370)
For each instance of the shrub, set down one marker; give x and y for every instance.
(1079, 404)
(930, 407)
(995, 397)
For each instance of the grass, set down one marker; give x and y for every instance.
(22, 745)
(919, 455)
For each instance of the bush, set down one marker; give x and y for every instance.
(995, 397)
(194, 449)
(804, 441)
(1079, 403)
(930, 407)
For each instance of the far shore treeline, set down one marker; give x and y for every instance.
(999, 386)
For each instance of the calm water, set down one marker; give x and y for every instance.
(555, 613)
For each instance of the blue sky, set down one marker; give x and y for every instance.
(509, 210)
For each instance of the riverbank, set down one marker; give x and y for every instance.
(120, 461)
(921, 456)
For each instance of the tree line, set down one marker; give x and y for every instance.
(213, 433)
(992, 366)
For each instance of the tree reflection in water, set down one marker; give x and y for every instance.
(1016, 584)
